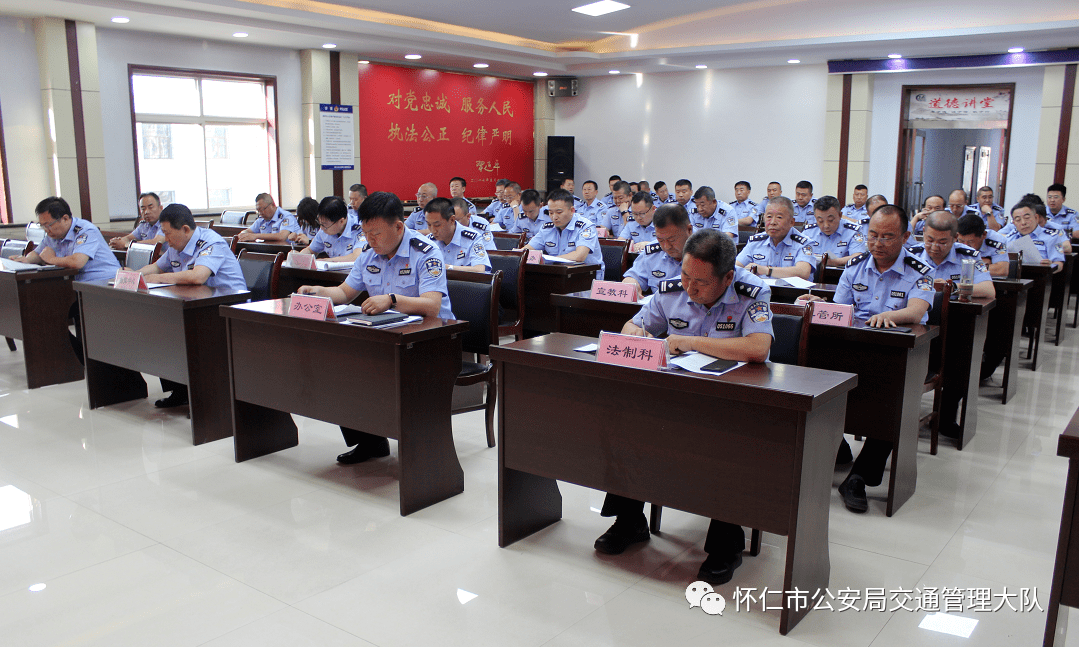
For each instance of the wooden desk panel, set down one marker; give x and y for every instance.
(767, 462)
(1005, 330)
(541, 281)
(34, 307)
(1037, 306)
(1065, 588)
(577, 313)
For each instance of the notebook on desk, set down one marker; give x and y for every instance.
(376, 320)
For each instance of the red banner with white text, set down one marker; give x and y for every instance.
(421, 126)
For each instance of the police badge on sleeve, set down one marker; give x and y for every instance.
(759, 311)
(433, 267)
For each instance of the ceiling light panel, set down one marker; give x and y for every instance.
(601, 8)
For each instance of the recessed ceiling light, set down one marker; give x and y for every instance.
(240, 34)
(702, 67)
(539, 74)
(329, 46)
(413, 57)
(895, 56)
(793, 60)
(613, 72)
(1015, 50)
(600, 8)
(121, 20)
(365, 62)
(480, 66)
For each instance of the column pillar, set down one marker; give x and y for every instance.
(324, 77)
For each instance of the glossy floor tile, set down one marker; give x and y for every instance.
(115, 530)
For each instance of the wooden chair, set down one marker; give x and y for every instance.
(615, 258)
(262, 273)
(504, 240)
(934, 381)
(475, 299)
(512, 266)
(1059, 294)
(139, 255)
(205, 223)
(234, 218)
(744, 234)
(231, 242)
(34, 233)
(818, 276)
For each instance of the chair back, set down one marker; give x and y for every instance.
(16, 248)
(139, 255)
(818, 276)
(511, 295)
(1015, 265)
(615, 258)
(475, 299)
(205, 223)
(507, 241)
(234, 218)
(262, 272)
(790, 330)
(743, 235)
(938, 316)
(34, 233)
(231, 242)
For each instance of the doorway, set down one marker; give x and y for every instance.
(953, 137)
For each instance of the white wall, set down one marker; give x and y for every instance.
(714, 127)
(24, 132)
(117, 48)
(1026, 117)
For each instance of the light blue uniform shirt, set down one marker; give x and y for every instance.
(793, 249)
(416, 220)
(208, 249)
(998, 213)
(635, 233)
(1048, 243)
(742, 310)
(416, 267)
(1065, 218)
(920, 226)
(578, 233)
(659, 203)
(744, 209)
(847, 240)
(471, 207)
(612, 220)
(994, 248)
(721, 219)
(343, 243)
(871, 292)
(951, 268)
(479, 223)
(592, 212)
(146, 231)
(855, 214)
(84, 238)
(805, 214)
(465, 248)
(531, 227)
(281, 220)
(652, 266)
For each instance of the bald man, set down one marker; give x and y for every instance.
(417, 220)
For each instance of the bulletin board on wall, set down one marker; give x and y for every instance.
(421, 126)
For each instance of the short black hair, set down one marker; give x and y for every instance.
(1058, 187)
(460, 203)
(380, 204)
(177, 215)
(641, 196)
(614, 178)
(705, 192)
(670, 214)
(1032, 198)
(592, 182)
(714, 247)
(1033, 206)
(743, 182)
(683, 182)
(54, 206)
(971, 225)
(459, 179)
(804, 184)
(501, 183)
(441, 206)
(861, 187)
(150, 194)
(333, 208)
(358, 188)
(659, 185)
(560, 195)
(621, 187)
(892, 209)
(531, 196)
(827, 202)
(307, 212)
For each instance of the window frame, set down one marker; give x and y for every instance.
(272, 119)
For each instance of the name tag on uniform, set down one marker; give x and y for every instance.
(614, 291)
(129, 280)
(307, 306)
(831, 314)
(628, 350)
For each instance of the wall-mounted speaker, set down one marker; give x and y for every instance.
(559, 160)
(562, 87)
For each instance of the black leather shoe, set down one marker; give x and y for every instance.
(618, 538)
(950, 430)
(719, 570)
(175, 399)
(843, 456)
(359, 454)
(853, 492)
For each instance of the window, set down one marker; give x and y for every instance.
(205, 139)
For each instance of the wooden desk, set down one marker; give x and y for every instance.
(543, 280)
(292, 278)
(267, 248)
(228, 230)
(1065, 589)
(402, 387)
(1037, 306)
(767, 462)
(1059, 294)
(174, 333)
(1005, 329)
(968, 325)
(577, 313)
(34, 307)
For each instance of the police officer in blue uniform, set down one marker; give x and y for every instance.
(148, 230)
(357, 193)
(743, 209)
(492, 209)
(712, 213)
(803, 202)
(932, 204)
(957, 204)
(639, 230)
(273, 224)
(195, 256)
(663, 194)
(774, 190)
(416, 220)
(340, 236)
(661, 260)
(941, 252)
(856, 210)
(592, 208)
(611, 182)
(510, 208)
(461, 215)
(683, 195)
(399, 270)
(992, 214)
(534, 215)
(991, 246)
(568, 235)
(1060, 215)
(716, 309)
(888, 287)
(1025, 221)
(617, 215)
(462, 248)
(779, 251)
(568, 186)
(71, 242)
(457, 190)
(830, 234)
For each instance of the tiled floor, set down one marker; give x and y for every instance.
(140, 539)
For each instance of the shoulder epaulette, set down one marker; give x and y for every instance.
(751, 203)
(674, 285)
(799, 238)
(1069, 210)
(721, 211)
(916, 249)
(479, 225)
(78, 228)
(850, 206)
(581, 222)
(812, 225)
(858, 259)
(850, 225)
(365, 247)
(548, 225)
(760, 236)
(357, 227)
(995, 243)
(917, 264)
(747, 289)
(865, 221)
(471, 235)
(652, 248)
(966, 251)
(420, 244)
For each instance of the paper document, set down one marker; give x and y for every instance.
(694, 362)
(347, 309)
(16, 265)
(644, 300)
(587, 348)
(1026, 245)
(151, 286)
(556, 259)
(770, 282)
(323, 266)
(799, 282)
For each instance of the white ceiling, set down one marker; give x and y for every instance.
(519, 37)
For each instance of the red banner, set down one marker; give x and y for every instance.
(421, 126)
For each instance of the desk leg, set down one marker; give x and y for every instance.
(807, 565)
(962, 370)
(107, 384)
(258, 431)
(1014, 332)
(904, 473)
(207, 384)
(46, 348)
(1056, 619)
(526, 503)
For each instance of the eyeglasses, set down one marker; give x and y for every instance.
(48, 225)
(637, 214)
(935, 243)
(887, 238)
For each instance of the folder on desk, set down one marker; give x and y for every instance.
(377, 320)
